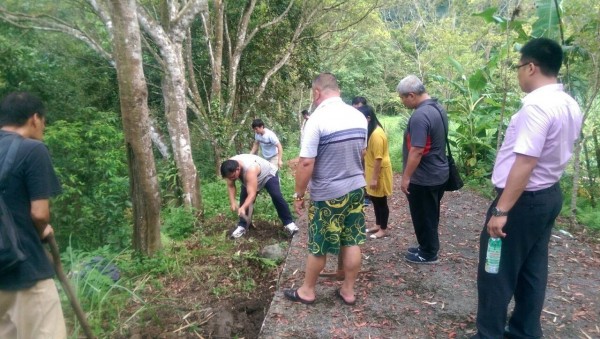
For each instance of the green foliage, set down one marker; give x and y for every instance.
(264, 263)
(548, 24)
(102, 299)
(215, 199)
(178, 222)
(394, 127)
(90, 160)
(62, 72)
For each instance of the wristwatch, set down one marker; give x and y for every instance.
(499, 213)
(298, 197)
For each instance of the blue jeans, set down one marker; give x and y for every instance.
(272, 187)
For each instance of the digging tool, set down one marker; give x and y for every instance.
(64, 281)
(248, 217)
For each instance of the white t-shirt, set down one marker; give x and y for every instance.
(268, 142)
(335, 135)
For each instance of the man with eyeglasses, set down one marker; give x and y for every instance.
(539, 142)
(29, 302)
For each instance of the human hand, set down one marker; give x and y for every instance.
(299, 207)
(373, 184)
(495, 225)
(48, 230)
(241, 211)
(404, 185)
(234, 207)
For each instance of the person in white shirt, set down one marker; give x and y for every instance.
(269, 144)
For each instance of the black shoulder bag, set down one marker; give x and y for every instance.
(454, 182)
(11, 252)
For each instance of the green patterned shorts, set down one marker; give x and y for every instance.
(336, 222)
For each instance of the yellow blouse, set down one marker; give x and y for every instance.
(377, 148)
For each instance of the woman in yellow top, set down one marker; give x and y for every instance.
(378, 173)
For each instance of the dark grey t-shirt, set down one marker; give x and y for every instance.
(426, 129)
(32, 178)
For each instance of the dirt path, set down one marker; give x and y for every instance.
(401, 300)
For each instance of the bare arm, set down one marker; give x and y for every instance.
(231, 190)
(40, 214)
(251, 178)
(279, 155)
(518, 177)
(414, 159)
(304, 172)
(254, 149)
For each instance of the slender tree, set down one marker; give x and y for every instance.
(167, 33)
(133, 93)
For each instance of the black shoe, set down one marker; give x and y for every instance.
(413, 250)
(416, 258)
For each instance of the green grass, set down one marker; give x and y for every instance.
(394, 129)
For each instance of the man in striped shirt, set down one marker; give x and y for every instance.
(335, 138)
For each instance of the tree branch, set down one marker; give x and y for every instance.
(49, 23)
(268, 24)
(185, 17)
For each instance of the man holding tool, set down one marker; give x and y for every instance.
(29, 302)
(255, 173)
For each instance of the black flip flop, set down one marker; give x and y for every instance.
(292, 294)
(339, 295)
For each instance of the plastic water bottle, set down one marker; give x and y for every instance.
(492, 258)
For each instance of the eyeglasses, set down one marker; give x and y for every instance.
(521, 65)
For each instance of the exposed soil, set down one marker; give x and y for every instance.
(401, 300)
(217, 297)
(395, 299)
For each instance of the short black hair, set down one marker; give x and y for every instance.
(305, 112)
(359, 100)
(257, 123)
(545, 53)
(228, 166)
(17, 107)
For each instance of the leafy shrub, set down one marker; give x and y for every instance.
(90, 161)
(178, 222)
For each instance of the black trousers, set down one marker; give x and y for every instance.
(382, 211)
(272, 187)
(523, 271)
(424, 204)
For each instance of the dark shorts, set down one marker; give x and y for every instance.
(336, 222)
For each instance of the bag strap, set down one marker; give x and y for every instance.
(9, 159)
(445, 131)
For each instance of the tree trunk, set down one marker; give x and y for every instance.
(133, 93)
(174, 92)
(576, 172)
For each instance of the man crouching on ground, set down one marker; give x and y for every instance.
(254, 173)
(333, 146)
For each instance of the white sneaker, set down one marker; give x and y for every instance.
(239, 231)
(291, 228)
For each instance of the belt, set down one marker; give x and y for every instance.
(553, 188)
